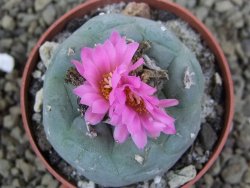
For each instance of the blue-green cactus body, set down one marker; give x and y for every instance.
(101, 159)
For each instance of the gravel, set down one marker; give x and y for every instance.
(41, 4)
(229, 21)
(8, 22)
(223, 6)
(234, 170)
(176, 179)
(49, 14)
(208, 136)
(5, 167)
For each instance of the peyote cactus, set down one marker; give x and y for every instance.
(100, 158)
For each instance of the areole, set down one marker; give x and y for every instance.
(90, 5)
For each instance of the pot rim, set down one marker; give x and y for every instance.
(181, 12)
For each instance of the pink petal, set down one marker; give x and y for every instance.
(93, 118)
(114, 114)
(86, 55)
(120, 47)
(169, 129)
(129, 53)
(79, 67)
(122, 69)
(100, 106)
(134, 126)
(133, 81)
(158, 125)
(168, 103)
(152, 129)
(93, 77)
(115, 79)
(91, 71)
(148, 106)
(115, 119)
(140, 139)
(136, 64)
(120, 133)
(115, 36)
(101, 59)
(128, 115)
(83, 89)
(89, 98)
(117, 95)
(147, 89)
(111, 53)
(162, 116)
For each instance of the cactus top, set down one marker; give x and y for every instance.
(101, 159)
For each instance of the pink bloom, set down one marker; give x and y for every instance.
(137, 112)
(102, 67)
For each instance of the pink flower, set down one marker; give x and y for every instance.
(98, 66)
(109, 89)
(137, 112)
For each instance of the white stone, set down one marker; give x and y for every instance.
(179, 178)
(223, 6)
(8, 23)
(38, 101)
(208, 3)
(218, 79)
(46, 52)
(7, 63)
(84, 184)
(27, 169)
(71, 52)
(41, 4)
(188, 78)
(192, 135)
(157, 179)
(49, 108)
(37, 74)
(163, 28)
(139, 159)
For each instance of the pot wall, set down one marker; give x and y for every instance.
(158, 4)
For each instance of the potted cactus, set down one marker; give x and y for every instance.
(122, 97)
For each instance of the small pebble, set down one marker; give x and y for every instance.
(46, 52)
(49, 14)
(26, 168)
(38, 101)
(178, 178)
(9, 121)
(41, 4)
(5, 167)
(37, 74)
(223, 6)
(17, 134)
(139, 159)
(137, 9)
(8, 23)
(7, 63)
(84, 184)
(234, 170)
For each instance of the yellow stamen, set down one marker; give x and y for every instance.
(106, 85)
(135, 102)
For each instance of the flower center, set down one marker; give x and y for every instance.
(135, 101)
(106, 85)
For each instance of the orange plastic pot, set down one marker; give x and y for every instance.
(167, 5)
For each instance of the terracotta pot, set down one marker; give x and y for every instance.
(85, 8)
